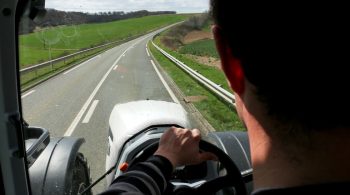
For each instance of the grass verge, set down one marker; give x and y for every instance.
(221, 116)
(212, 73)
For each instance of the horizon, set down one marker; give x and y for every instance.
(96, 6)
(126, 11)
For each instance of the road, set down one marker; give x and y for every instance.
(78, 102)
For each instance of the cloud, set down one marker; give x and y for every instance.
(181, 6)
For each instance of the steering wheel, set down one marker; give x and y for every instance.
(233, 178)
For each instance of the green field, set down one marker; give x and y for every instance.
(63, 40)
(200, 48)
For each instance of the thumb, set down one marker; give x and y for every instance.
(207, 156)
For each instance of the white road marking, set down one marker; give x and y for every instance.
(27, 94)
(171, 93)
(81, 64)
(90, 112)
(148, 53)
(115, 68)
(76, 120)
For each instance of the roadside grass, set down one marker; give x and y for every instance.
(221, 116)
(201, 48)
(63, 40)
(207, 27)
(212, 73)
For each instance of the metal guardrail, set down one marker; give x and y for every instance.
(215, 88)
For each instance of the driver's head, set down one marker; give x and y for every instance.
(294, 59)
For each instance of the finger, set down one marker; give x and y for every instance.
(187, 132)
(181, 130)
(169, 132)
(178, 132)
(196, 134)
(208, 156)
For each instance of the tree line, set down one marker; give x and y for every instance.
(56, 18)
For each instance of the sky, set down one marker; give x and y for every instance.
(180, 6)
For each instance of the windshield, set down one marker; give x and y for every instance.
(84, 57)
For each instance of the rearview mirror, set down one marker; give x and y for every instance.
(36, 140)
(37, 8)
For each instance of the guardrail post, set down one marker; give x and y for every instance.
(50, 55)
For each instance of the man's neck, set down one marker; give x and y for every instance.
(319, 157)
(278, 165)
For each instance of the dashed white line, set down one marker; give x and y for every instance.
(27, 94)
(148, 53)
(76, 120)
(81, 64)
(171, 93)
(90, 112)
(116, 66)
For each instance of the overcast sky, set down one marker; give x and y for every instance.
(180, 6)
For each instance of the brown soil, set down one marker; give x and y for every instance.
(197, 35)
(209, 61)
(170, 43)
(190, 99)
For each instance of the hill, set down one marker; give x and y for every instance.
(58, 18)
(63, 40)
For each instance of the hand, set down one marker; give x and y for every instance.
(181, 147)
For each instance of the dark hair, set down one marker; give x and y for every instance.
(296, 56)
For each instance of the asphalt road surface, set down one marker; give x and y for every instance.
(79, 101)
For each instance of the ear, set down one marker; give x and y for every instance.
(230, 65)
